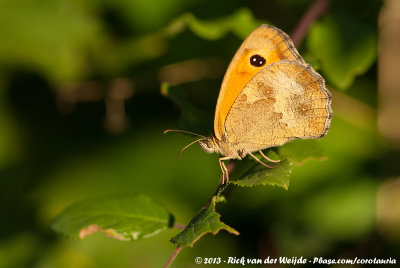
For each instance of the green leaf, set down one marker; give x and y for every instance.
(344, 47)
(299, 151)
(124, 217)
(241, 23)
(207, 221)
(260, 175)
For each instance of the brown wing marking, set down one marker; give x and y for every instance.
(284, 101)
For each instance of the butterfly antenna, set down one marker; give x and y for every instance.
(183, 131)
(181, 150)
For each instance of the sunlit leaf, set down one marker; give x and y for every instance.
(241, 23)
(344, 47)
(207, 221)
(299, 151)
(260, 175)
(124, 217)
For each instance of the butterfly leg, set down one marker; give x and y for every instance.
(269, 159)
(259, 161)
(225, 173)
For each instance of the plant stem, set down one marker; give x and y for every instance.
(173, 256)
(318, 8)
(231, 166)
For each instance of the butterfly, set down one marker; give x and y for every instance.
(269, 96)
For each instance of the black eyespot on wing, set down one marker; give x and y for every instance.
(257, 60)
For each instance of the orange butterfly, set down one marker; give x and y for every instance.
(269, 96)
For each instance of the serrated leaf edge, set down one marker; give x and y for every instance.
(285, 186)
(225, 227)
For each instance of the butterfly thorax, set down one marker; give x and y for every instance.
(213, 145)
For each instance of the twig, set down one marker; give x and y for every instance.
(179, 226)
(220, 187)
(173, 256)
(231, 165)
(318, 8)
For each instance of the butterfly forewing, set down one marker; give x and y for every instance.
(266, 45)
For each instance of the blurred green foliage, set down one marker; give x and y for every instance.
(123, 217)
(344, 48)
(52, 155)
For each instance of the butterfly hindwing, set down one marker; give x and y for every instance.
(284, 101)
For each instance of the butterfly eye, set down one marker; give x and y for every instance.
(257, 60)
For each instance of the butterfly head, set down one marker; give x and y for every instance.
(208, 145)
(213, 145)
